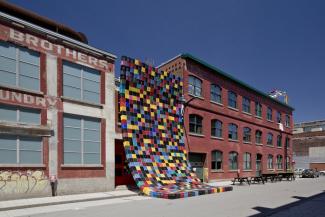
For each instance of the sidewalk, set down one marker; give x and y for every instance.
(45, 201)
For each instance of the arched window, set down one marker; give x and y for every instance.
(233, 131)
(278, 117)
(269, 114)
(232, 99)
(233, 160)
(279, 141)
(287, 121)
(215, 92)
(287, 142)
(216, 128)
(258, 109)
(194, 86)
(247, 134)
(269, 139)
(288, 164)
(216, 160)
(246, 105)
(270, 161)
(279, 162)
(258, 137)
(196, 124)
(247, 161)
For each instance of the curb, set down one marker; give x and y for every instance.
(65, 202)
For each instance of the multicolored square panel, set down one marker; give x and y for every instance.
(152, 127)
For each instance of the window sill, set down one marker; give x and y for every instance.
(217, 103)
(279, 169)
(198, 97)
(86, 103)
(259, 144)
(23, 165)
(247, 113)
(279, 147)
(24, 90)
(258, 117)
(24, 129)
(271, 169)
(249, 143)
(270, 121)
(287, 127)
(82, 166)
(217, 138)
(217, 171)
(233, 140)
(271, 146)
(248, 170)
(234, 109)
(195, 134)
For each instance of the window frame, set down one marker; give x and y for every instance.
(232, 132)
(233, 160)
(216, 93)
(279, 141)
(232, 101)
(269, 140)
(287, 120)
(270, 164)
(214, 160)
(279, 163)
(258, 109)
(215, 131)
(82, 139)
(18, 71)
(20, 109)
(195, 124)
(246, 105)
(269, 115)
(247, 161)
(247, 132)
(260, 137)
(278, 117)
(18, 149)
(197, 84)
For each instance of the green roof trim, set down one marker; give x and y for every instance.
(228, 76)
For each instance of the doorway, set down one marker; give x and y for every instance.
(258, 164)
(197, 162)
(123, 175)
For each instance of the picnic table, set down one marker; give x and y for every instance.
(289, 175)
(272, 176)
(241, 179)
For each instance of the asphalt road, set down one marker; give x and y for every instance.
(303, 197)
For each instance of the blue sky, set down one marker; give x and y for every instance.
(267, 44)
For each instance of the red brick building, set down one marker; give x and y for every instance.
(229, 124)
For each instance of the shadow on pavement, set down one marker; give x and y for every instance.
(264, 211)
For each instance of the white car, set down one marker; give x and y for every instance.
(298, 171)
(322, 172)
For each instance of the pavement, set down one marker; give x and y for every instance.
(303, 197)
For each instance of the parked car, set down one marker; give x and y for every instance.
(298, 171)
(322, 172)
(309, 173)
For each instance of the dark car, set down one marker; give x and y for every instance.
(309, 173)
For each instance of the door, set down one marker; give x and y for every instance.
(258, 164)
(122, 173)
(197, 163)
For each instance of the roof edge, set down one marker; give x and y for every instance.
(230, 77)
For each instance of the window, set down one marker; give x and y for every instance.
(247, 161)
(216, 160)
(269, 139)
(20, 150)
(287, 122)
(278, 117)
(19, 67)
(258, 137)
(279, 162)
(81, 83)
(194, 86)
(196, 124)
(288, 165)
(247, 134)
(233, 160)
(287, 142)
(216, 93)
(269, 114)
(270, 161)
(232, 99)
(81, 140)
(279, 141)
(19, 114)
(246, 105)
(258, 109)
(216, 128)
(232, 131)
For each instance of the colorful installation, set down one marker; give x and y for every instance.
(152, 127)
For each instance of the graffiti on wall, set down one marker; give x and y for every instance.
(12, 182)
